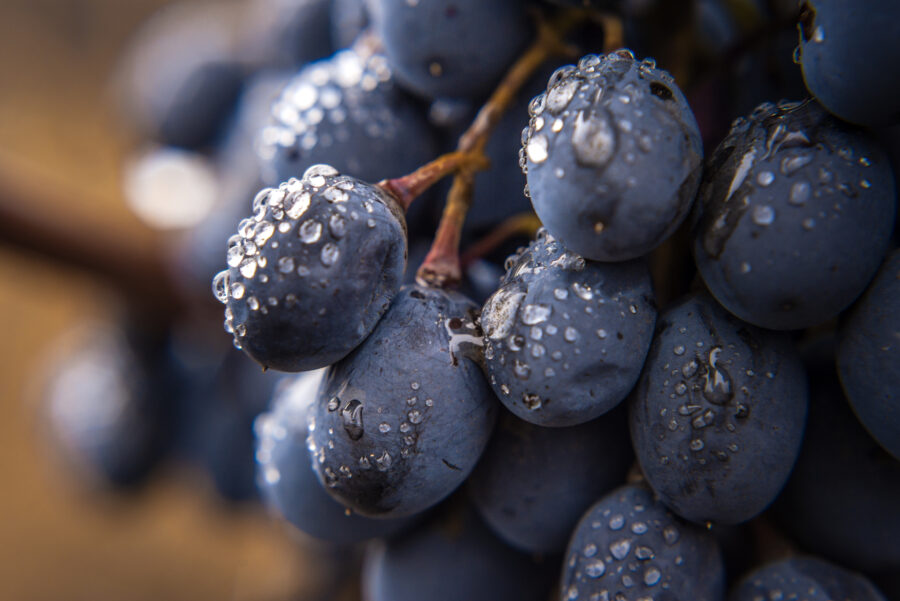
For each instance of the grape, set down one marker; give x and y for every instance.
(344, 111)
(867, 356)
(451, 48)
(795, 214)
(108, 402)
(717, 418)
(628, 541)
(286, 478)
(841, 499)
(565, 338)
(312, 271)
(612, 156)
(181, 77)
(516, 484)
(848, 58)
(453, 557)
(400, 423)
(805, 578)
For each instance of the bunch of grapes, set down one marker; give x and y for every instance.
(660, 359)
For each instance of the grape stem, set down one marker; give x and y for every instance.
(441, 267)
(409, 187)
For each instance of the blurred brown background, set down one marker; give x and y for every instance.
(58, 541)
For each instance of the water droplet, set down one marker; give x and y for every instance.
(515, 343)
(559, 97)
(499, 313)
(644, 553)
(537, 149)
(383, 463)
(617, 522)
(538, 351)
(535, 314)
(671, 534)
(220, 286)
(765, 178)
(352, 416)
(310, 231)
(595, 568)
(286, 264)
(717, 388)
(414, 416)
(330, 254)
(652, 576)
(531, 401)
(791, 164)
(521, 370)
(601, 334)
(763, 215)
(593, 140)
(582, 292)
(590, 550)
(689, 368)
(639, 528)
(570, 334)
(809, 223)
(337, 225)
(333, 404)
(248, 268)
(696, 445)
(384, 427)
(620, 548)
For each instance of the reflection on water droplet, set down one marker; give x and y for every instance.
(593, 140)
(763, 215)
(537, 149)
(352, 416)
(535, 314)
(620, 549)
(310, 231)
(595, 568)
(330, 254)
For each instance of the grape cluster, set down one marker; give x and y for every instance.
(699, 344)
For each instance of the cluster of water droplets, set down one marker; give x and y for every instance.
(336, 92)
(779, 142)
(699, 380)
(359, 417)
(317, 210)
(618, 555)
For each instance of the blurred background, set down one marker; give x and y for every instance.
(61, 537)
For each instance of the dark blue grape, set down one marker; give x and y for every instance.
(533, 484)
(804, 579)
(400, 423)
(565, 338)
(216, 421)
(452, 48)
(795, 214)
(344, 111)
(453, 558)
(108, 403)
(848, 58)
(628, 546)
(842, 497)
(869, 356)
(181, 76)
(612, 156)
(286, 479)
(717, 417)
(312, 271)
